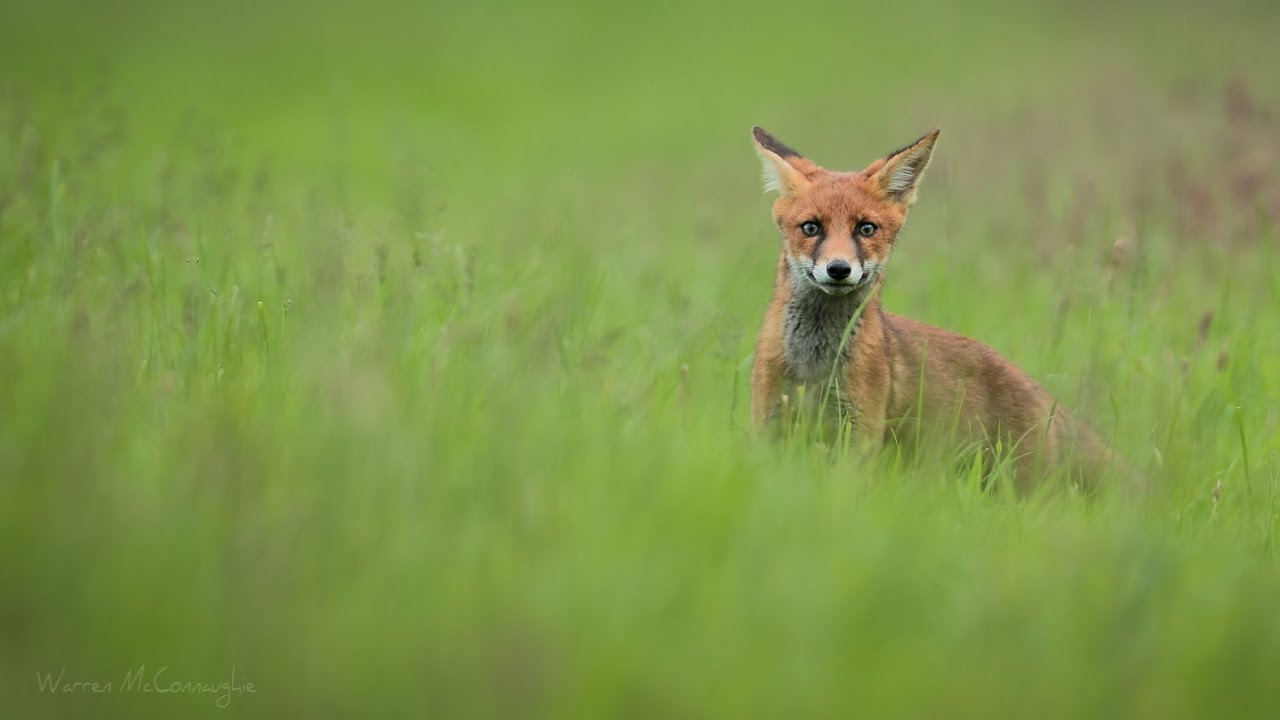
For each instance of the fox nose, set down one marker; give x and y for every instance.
(839, 269)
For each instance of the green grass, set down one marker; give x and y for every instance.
(401, 359)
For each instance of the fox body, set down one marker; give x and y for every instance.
(889, 377)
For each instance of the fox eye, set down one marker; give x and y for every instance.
(867, 229)
(810, 229)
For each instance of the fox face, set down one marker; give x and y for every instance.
(838, 228)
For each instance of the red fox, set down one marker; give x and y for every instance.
(892, 378)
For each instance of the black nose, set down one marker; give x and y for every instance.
(838, 269)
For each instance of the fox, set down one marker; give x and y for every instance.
(888, 378)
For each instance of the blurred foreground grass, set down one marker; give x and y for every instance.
(398, 357)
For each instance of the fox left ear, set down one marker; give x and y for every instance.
(899, 174)
(785, 170)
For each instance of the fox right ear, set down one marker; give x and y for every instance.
(899, 174)
(782, 165)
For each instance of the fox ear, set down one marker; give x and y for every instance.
(784, 168)
(899, 174)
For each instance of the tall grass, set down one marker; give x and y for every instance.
(401, 362)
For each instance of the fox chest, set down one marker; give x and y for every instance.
(815, 347)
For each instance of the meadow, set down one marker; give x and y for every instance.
(398, 358)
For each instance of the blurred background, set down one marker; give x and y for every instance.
(397, 355)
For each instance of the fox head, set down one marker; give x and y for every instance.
(838, 228)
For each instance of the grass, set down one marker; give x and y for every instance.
(401, 361)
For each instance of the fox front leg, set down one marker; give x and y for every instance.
(766, 393)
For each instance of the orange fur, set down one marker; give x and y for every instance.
(969, 392)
